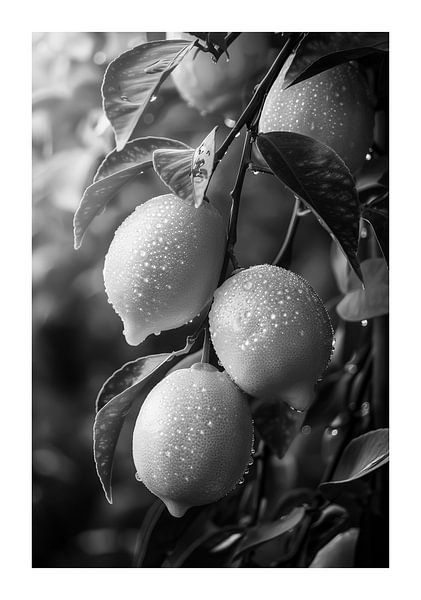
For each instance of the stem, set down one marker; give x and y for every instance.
(235, 209)
(206, 346)
(253, 106)
(292, 227)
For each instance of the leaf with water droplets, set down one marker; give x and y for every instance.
(277, 424)
(321, 51)
(362, 456)
(360, 304)
(114, 401)
(116, 170)
(187, 171)
(132, 79)
(320, 177)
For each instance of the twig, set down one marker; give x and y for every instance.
(286, 245)
(206, 346)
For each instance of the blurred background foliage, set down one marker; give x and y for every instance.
(77, 338)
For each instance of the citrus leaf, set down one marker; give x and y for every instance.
(174, 168)
(373, 301)
(277, 424)
(321, 51)
(116, 170)
(187, 171)
(268, 531)
(322, 180)
(114, 401)
(377, 216)
(131, 80)
(362, 456)
(202, 170)
(145, 532)
(129, 375)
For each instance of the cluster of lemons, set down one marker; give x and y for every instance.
(193, 439)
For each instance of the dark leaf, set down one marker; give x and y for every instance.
(362, 456)
(131, 80)
(377, 216)
(321, 51)
(270, 530)
(334, 519)
(145, 532)
(322, 180)
(339, 552)
(187, 172)
(116, 170)
(373, 301)
(277, 424)
(195, 535)
(129, 375)
(115, 399)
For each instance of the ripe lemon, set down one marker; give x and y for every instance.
(333, 107)
(163, 265)
(271, 333)
(218, 87)
(193, 438)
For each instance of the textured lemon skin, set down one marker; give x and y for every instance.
(163, 265)
(271, 333)
(193, 438)
(217, 87)
(333, 107)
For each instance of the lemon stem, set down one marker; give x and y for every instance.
(206, 345)
(284, 254)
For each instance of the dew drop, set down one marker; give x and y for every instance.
(137, 477)
(364, 323)
(241, 481)
(153, 98)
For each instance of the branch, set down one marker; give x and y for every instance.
(255, 103)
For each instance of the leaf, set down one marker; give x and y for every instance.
(132, 79)
(202, 170)
(187, 172)
(116, 170)
(114, 402)
(129, 375)
(277, 424)
(268, 531)
(334, 519)
(174, 167)
(377, 216)
(321, 51)
(373, 301)
(322, 180)
(148, 524)
(362, 456)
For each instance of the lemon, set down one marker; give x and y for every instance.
(271, 333)
(163, 265)
(193, 438)
(333, 107)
